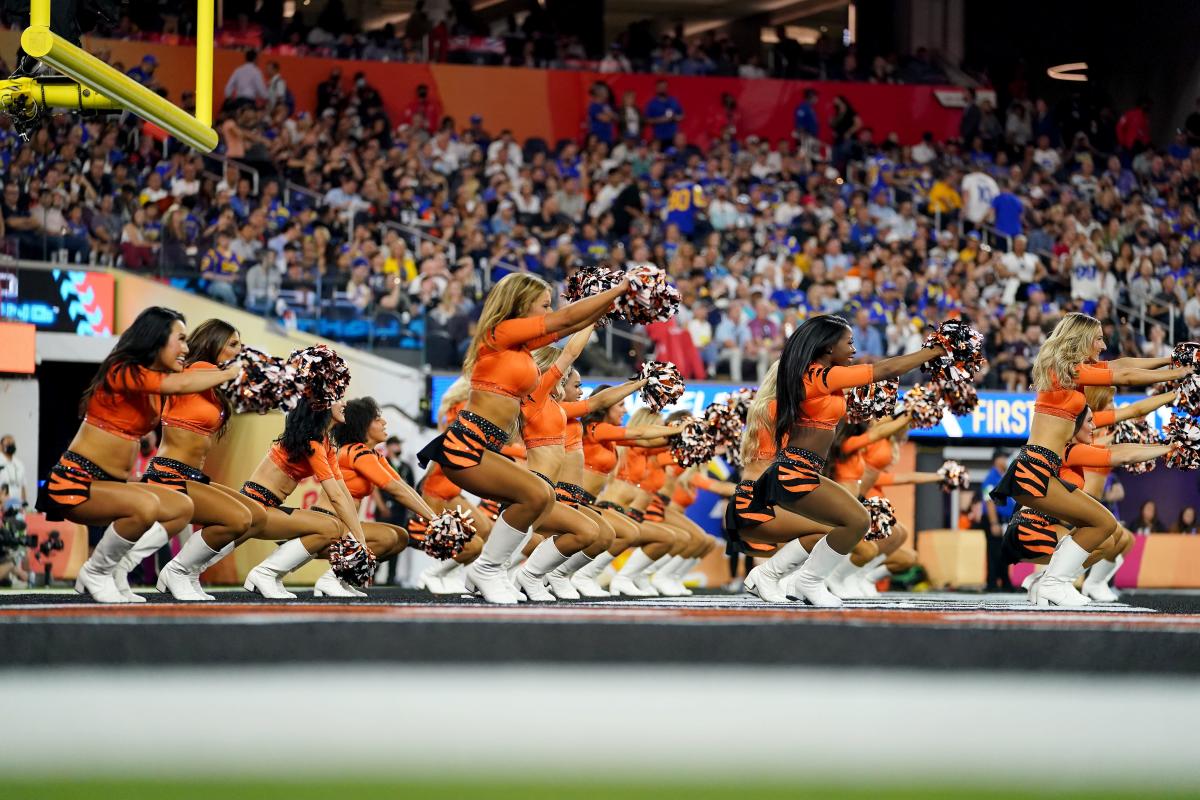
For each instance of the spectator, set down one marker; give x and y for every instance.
(978, 190)
(331, 95)
(1133, 128)
(867, 338)
(663, 115)
(221, 269)
(277, 88)
(806, 126)
(263, 282)
(1007, 210)
(996, 518)
(630, 118)
(601, 118)
(730, 341)
(424, 111)
(1186, 522)
(246, 82)
(12, 470)
(137, 250)
(143, 73)
(1146, 521)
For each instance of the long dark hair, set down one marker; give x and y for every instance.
(360, 413)
(137, 347)
(304, 424)
(814, 337)
(592, 417)
(205, 344)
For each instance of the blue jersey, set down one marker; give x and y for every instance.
(684, 202)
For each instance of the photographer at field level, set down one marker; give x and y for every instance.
(12, 471)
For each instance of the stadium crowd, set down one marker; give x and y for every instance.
(352, 215)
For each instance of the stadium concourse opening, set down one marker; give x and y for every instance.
(488, 398)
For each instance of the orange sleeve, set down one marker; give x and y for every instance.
(1105, 418)
(1094, 375)
(370, 465)
(854, 443)
(546, 384)
(885, 479)
(604, 432)
(1087, 455)
(832, 379)
(703, 482)
(516, 332)
(575, 410)
(665, 459)
(135, 379)
(322, 466)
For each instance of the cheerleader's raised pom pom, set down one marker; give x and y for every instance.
(961, 396)
(664, 384)
(352, 561)
(724, 424)
(873, 401)
(924, 407)
(265, 383)
(651, 298)
(1184, 432)
(1185, 355)
(1136, 431)
(883, 518)
(954, 476)
(448, 533)
(694, 445)
(588, 282)
(323, 374)
(964, 351)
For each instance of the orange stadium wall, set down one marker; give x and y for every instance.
(551, 104)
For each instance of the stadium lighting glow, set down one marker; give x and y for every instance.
(1068, 72)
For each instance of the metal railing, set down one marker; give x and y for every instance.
(420, 235)
(289, 188)
(225, 161)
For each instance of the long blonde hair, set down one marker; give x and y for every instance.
(1069, 345)
(457, 393)
(509, 299)
(1099, 397)
(759, 416)
(545, 357)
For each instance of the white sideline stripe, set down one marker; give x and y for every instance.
(773, 723)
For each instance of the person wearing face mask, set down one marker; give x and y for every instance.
(12, 471)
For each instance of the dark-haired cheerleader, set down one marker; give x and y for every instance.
(122, 404)
(814, 369)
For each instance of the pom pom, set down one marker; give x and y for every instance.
(1185, 355)
(448, 533)
(954, 476)
(1187, 395)
(694, 445)
(1184, 432)
(873, 401)
(961, 397)
(352, 561)
(664, 384)
(725, 424)
(588, 282)
(650, 297)
(883, 518)
(322, 373)
(1136, 431)
(964, 351)
(924, 407)
(265, 383)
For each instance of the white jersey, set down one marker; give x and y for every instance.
(978, 191)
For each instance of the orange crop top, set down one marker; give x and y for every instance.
(130, 405)
(322, 462)
(503, 364)
(600, 442)
(654, 478)
(850, 468)
(544, 422)
(199, 413)
(1068, 403)
(823, 405)
(1080, 457)
(363, 469)
(633, 466)
(573, 412)
(878, 454)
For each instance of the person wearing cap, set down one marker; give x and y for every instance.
(143, 73)
(995, 520)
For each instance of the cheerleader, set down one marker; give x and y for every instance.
(191, 425)
(1033, 536)
(781, 536)
(602, 435)
(619, 533)
(814, 368)
(363, 471)
(303, 450)
(516, 319)
(123, 403)
(1095, 479)
(1067, 362)
(567, 531)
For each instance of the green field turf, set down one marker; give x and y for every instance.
(650, 790)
